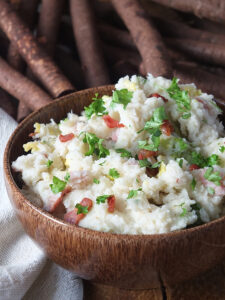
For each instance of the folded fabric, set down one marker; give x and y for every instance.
(25, 271)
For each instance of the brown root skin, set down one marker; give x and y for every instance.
(88, 43)
(176, 29)
(213, 10)
(49, 21)
(116, 36)
(40, 63)
(22, 88)
(145, 36)
(201, 51)
(7, 103)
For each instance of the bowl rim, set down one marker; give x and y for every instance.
(10, 179)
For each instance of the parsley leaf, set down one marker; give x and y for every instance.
(213, 160)
(96, 107)
(222, 149)
(156, 165)
(144, 163)
(124, 152)
(213, 176)
(95, 180)
(101, 199)
(181, 98)
(133, 193)
(146, 146)
(81, 209)
(211, 191)
(101, 164)
(181, 163)
(95, 145)
(113, 173)
(67, 177)
(122, 97)
(49, 163)
(157, 118)
(193, 184)
(184, 210)
(58, 185)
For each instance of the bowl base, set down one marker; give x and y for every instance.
(94, 291)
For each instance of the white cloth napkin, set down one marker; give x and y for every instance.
(25, 272)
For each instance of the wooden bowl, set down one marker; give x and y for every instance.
(133, 262)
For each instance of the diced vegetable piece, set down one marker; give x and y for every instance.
(166, 127)
(193, 167)
(112, 123)
(111, 203)
(66, 138)
(143, 154)
(159, 96)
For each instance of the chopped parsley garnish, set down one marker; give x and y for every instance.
(96, 107)
(181, 163)
(222, 149)
(95, 180)
(101, 199)
(133, 193)
(184, 210)
(193, 184)
(144, 163)
(81, 209)
(101, 164)
(67, 177)
(49, 163)
(113, 173)
(123, 152)
(153, 127)
(121, 97)
(211, 190)
(137, 180)
(213, 160)
(213, 176)
(95, 145)
(58, 185)
(181, 98)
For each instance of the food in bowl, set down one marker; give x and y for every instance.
(148, 159)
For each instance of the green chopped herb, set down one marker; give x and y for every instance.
(81, 209)
(156, 165)
(222, 149)
(144, 163)
(193, 184)
(133, 193)
(49, 163)
(96, 107)
(213, 160)
(58, 185)
(95, 145)
(213, 176)
(137, 180)
(101, 164)
(184, 210)
(186, 115)
(181, 162)
(146, 146)
(121, 97)
(124, 152)
(211, 190)
(157, 119)
(113, 173)
(95, 180)
(181, 98)
(101, 199)
(67, 177)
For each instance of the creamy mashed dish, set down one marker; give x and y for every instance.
(149, 159)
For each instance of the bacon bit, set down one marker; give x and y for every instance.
(56, 203)
(111, 204)
(193, 167)
(166, 127)
(66, 138)
(31, 134)
(152, 172)
(159, 96)
(177, 180)
(112, 123)
(72, 216)
(143, 154)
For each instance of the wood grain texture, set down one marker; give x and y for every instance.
(138, 262)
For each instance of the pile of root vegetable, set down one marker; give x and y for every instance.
(50, 48)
